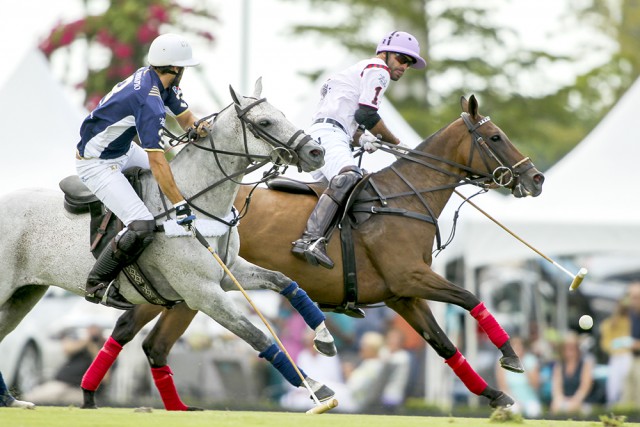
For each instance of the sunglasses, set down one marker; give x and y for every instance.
(404, 59)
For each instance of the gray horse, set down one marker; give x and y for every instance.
(43, 245)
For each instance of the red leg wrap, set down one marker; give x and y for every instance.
(465, 372)
(100, 365)
(163, 377)
(490, 325)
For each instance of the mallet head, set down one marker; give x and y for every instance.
(323, 407)
(578, 279)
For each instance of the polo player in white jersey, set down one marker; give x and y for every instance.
(348, 110)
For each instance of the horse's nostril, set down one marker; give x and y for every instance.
(538, 178)
(316, 153)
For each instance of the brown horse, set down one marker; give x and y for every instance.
(393, 246)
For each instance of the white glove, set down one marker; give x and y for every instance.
(368, 142)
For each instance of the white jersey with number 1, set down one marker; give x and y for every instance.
(364, 83)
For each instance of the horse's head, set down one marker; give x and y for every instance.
(488, 152)
(271, 134)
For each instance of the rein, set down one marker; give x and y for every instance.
(286, 153)
(471, 176)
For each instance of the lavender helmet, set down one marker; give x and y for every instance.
(401, 42)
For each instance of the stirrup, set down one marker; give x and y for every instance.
(316, 255)
(108, 295)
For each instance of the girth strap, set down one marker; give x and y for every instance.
(349, 270)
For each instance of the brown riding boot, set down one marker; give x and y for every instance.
(312, 246)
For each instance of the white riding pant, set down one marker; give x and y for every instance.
(337, 149)
(105, 178)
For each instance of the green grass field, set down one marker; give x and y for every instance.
(128, 417)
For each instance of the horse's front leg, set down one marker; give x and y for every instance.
(127, 327)
(419, 281)
(418, 314)
(217, 304)
(251, 276)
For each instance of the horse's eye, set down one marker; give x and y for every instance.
(495, 138)
(264, 123)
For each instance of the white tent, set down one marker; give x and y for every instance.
(589, 203)
(39, 125)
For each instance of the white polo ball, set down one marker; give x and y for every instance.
(585, 322)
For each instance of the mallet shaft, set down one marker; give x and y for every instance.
(576, 278)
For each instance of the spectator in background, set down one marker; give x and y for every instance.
(7, 400)
(398, 361)
(65, 389)
(365, 381)
(415, 344)
(631, 392)
(616, 341)
(572, 378)
(522, 387)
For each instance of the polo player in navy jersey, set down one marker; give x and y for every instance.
(135, 106)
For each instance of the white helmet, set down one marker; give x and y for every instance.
(171, 50)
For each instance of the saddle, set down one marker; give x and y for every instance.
(104, 225)
(346, 220)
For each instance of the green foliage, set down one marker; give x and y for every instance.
(501, 415)
(122, 35)
(468, 53)
(613, 420)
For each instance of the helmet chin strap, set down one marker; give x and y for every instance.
(178, 76)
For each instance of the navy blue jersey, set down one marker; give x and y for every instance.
(136, 105)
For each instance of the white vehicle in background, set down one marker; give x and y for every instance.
(32, 353)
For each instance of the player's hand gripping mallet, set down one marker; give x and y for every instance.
(576, 278)
(320, 407)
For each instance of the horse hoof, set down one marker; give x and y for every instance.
(194, 408)
(22, 404)
(502, 401)
(512, 363)
(326, 348)
(89, 397)
(324, 393)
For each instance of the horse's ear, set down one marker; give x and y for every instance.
(473, 106)
(258, 88)
(464, 104)
(233, 95)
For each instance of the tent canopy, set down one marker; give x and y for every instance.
(588, 205)
(40, 127)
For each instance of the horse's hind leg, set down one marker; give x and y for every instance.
(127, 327)
(418, 314)
(21, 301)
(426, 284)
(157, 345)
(251, 276)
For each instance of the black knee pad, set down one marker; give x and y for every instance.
(134, 239)
(340, 185)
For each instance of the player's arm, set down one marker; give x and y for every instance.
(369, 118)
(163, 175)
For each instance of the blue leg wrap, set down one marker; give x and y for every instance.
(5, 396)
(282, 364)
(303, 304)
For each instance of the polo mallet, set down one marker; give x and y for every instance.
(320, 407)
(576, 278)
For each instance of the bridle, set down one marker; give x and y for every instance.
(283, 154)
(501, 175)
